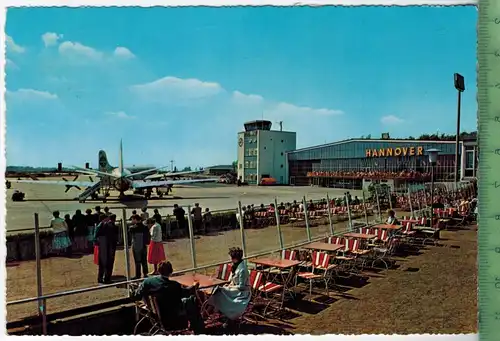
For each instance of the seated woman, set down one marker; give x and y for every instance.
(232, 299)
(391, 218)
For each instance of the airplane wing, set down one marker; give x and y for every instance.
(92, 172)
(145, 171)
(170, 174)
(164, 183)
(58, 183)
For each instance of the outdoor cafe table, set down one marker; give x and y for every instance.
(205, 281)
(387, 227)
(286, 276)
(323, 246)
(360, 235)
(411, 221)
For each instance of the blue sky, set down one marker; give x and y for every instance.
(178, 83)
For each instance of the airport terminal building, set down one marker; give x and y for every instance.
(355, 163)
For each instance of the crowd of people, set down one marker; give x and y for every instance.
(97, 231)
(463, 198)
(404, 174)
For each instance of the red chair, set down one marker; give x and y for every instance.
(320, 263)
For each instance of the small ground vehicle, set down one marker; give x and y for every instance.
(17, 196)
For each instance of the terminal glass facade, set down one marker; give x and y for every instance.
(363, 156)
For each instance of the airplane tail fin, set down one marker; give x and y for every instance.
(120, 166)
(104, 165)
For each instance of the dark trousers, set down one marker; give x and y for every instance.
(193, 315)
(106, 262)
(141, 260)
(198, 225)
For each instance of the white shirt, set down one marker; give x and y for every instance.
(155, 231)
(58, 225)
(391, 220)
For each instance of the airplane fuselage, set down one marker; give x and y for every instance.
(121, 183)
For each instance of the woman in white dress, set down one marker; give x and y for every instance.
(232, 299)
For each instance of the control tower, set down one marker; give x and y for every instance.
(262, 152)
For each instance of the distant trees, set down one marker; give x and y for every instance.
(434, 137)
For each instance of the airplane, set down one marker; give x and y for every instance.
(119, 178)
(174, 175)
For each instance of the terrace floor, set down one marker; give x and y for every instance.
(433, 291)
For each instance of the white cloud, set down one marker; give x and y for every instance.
(12, 46)
(31, 94)
(51, 38)
(240, 97)
(119, 114)
(79, 51)
(283, 110)
(391, 120)
(123, 53)
(175, 90)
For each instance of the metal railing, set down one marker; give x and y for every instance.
(42, 298)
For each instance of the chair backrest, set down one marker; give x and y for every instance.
(366, 230)
(255, 279)
(407, 227)
(382, 235)
(151, 302)
(289, 254)
(352, 245)
(224, 271)
(320, 259)
(336, 240)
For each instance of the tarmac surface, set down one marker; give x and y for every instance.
(44, 199)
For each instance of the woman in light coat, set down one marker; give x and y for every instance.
(232, 299)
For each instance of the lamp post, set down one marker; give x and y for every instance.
(460, 86)
(433, 155)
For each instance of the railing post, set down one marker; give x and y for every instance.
(125, 244)
(364, 208)
(38, 254)
(349, 217)
(378, 203)
(306, 217)
(278, 223)
(389, 193)
(241, 220)
(328, 209)
(418, 203)
(410, 203)
(191, 237)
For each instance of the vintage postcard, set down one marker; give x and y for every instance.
(241, 170)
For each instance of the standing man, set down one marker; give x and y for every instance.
(106, 239)
(144, 215)
(179, 214)
(98, 215)
(197, 218)
(140, 242)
